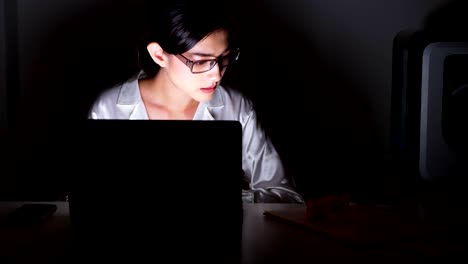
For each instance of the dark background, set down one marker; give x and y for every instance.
(318, 72)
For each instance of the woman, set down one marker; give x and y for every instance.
(182, 62)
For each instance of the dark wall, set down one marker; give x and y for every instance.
(2, 72)
(318, 72)
(61, 70)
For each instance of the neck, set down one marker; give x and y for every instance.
(159, 90)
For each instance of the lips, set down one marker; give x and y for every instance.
(208, 89)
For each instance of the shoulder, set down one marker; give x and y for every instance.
(109, 96)
(124, 93)
(230, 104)
(235, 100)
(107, 103)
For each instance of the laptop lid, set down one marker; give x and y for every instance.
(170, 181)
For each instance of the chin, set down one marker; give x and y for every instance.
(203, 98)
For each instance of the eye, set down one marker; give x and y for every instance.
(212, 63)
(203, 62)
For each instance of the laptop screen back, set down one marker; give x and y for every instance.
(173, 182)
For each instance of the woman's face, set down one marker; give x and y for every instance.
(199, 86)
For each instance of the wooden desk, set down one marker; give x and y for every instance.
(264, 241)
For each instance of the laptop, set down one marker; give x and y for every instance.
(153, 189)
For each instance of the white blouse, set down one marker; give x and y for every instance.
(262, 166)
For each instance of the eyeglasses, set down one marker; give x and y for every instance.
(200, 66)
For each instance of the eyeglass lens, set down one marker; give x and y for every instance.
(206, 65)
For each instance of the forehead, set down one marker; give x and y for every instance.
(214, 43)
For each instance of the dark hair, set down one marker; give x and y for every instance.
(179, 26)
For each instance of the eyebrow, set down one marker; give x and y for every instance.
(202, 54)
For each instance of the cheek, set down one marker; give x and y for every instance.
(177, 68)
(183, 77)
(178, 71)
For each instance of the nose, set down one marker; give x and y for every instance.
(216, 73)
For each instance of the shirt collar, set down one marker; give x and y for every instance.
(217, 100)
(130, 93)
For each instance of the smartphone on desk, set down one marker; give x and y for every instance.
(28, 214)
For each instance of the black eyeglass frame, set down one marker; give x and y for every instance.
(189, 63)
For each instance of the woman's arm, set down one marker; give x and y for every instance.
(264, 169)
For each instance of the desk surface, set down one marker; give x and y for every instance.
(263, 241)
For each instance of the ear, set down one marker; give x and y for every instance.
(157, 54)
